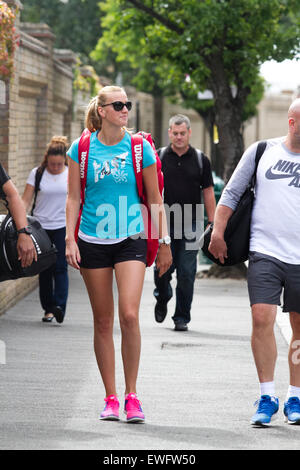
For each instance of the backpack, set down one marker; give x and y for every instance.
(237, 232)
(137, 156)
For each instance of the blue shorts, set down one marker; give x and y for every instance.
(268, 278)
(94, 255)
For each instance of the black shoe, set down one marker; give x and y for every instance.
(46, 319)
(181, 326)
(58, 314)
(160, 311)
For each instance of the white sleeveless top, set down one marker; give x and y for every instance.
(50, 208)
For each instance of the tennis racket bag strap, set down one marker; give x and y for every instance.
(83, 155)
(10, 265)
(137, 158)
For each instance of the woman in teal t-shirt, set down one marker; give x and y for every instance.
(111, 238)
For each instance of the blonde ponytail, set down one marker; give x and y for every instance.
(93, 121)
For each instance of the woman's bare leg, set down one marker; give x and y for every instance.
(130, 278)
(99, 286)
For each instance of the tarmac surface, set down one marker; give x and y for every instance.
(197, 388)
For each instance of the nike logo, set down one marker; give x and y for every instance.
(284, 169)
(276, 176)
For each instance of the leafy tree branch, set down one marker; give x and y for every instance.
(150, 11)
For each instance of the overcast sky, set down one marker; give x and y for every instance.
(282, 75)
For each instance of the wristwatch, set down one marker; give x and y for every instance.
(165, 240)
(27, 230)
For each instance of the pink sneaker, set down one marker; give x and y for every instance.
(111, 409)
(133, 409)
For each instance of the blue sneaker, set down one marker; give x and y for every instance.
(267, 408)
(292, 410)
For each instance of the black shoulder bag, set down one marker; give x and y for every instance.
(237, 233)
(10, 266)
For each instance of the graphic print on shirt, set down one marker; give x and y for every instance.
(113, 167)
(285, 169)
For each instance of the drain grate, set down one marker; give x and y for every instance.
(167, 345)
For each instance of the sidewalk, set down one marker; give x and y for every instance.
(197, 387)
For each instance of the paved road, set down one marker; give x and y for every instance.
(197, 387)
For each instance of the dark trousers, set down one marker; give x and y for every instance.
(185, 264)
(54, 282)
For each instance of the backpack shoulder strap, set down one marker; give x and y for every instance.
(38, 176)
(137, 160)
(200, 160)
(261, 147)
(83, 154)
(259, 151)
(162, 152)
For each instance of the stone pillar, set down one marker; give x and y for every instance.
(4, 100)
(43, 33)
(68, 58)
(8, 90)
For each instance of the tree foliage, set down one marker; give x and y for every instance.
(76, 23)
(8, 40)
(193, 45)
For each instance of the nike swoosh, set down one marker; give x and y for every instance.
(276, 176)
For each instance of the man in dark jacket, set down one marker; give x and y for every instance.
(187, 180)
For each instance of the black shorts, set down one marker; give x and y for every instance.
(268, 277)
(94, 255)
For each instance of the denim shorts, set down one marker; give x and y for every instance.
(268, 278)
(94, 255)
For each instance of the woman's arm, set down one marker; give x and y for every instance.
(28, 195)
(158, 215)
(72, 212)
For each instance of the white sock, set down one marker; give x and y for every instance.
(267, 388)
(293, 392)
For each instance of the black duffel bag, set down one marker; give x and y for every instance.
(10, 266)
(237, 232)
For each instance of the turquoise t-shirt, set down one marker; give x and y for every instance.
(112, 205)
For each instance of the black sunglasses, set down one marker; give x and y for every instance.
(118, 105)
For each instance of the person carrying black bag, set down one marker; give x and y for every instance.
(188, 182)
(9, 193)
(274, 257)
